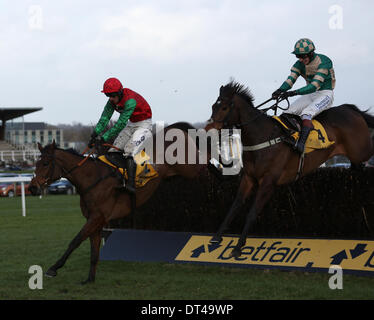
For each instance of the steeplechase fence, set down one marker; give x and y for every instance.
(331, 202)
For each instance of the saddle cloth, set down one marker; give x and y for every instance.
(144, 169)
(317, 139)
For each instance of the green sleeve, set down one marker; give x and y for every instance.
(122, 120)
(295, 73)
(105, 117)
(285, 86)
(307, 89)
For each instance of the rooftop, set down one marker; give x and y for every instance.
(12, 113)
(29, 126)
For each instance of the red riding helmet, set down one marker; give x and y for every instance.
(112, 85)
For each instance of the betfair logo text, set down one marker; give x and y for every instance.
(299, 253)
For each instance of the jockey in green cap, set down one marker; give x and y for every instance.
(317, 96)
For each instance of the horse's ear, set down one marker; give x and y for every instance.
(40, 147)
(54, 144)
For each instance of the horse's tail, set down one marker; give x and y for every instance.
(365, 114)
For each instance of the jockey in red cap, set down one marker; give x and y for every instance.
(134, 125)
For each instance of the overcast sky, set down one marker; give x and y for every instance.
(176, 54)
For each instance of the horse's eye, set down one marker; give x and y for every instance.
(45, 164)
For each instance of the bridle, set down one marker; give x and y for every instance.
(275, 107)
(64, 173)
(51, 158)
(265, 144)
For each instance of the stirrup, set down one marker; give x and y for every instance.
(120, 187)
(130, 189)
(297, 148)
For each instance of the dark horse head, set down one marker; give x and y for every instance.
(46, 170)
(224, 112)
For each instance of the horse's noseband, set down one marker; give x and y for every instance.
(48, 178)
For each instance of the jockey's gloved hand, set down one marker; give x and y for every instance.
(91, 143)
(276, 94)
(287, 94)
(99, 142)
(99, 145)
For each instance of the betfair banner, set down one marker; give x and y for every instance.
(355, 255)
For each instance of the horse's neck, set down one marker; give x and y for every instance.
(257, 127)
(78, 176)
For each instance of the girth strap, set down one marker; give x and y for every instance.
(263, 145)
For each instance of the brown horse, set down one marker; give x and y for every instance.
(277, 164)
(101, 199)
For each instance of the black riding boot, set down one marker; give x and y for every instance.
(130, 166)
(300, 145)
(115, 158)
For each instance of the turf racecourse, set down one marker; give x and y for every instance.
(51, 223)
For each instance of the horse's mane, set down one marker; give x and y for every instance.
(234, 87)
(73, 151)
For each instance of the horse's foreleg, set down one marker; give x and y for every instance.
(95, 249)
(264, 193)
(245, 188)
(91, 226)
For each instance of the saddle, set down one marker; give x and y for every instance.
(144, 169)
(317, 139)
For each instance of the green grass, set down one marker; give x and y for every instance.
(51, 223)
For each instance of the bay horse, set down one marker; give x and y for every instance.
(97, 184)
(277, 164)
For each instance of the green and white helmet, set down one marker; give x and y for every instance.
(304, 46)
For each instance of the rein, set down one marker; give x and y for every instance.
(271, 142)
(274, 107)
(65, 172)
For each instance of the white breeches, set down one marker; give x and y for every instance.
(130, 139)
(309, 105)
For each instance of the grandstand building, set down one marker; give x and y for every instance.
(28, 134)
(15, 152)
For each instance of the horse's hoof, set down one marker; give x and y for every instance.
(51, 273)
(236, 253)
(87, 281)
(216, 239)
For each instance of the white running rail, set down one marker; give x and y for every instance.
(22, 180)
(17, 155)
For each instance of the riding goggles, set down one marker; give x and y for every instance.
(112, 94)
(302, 56)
